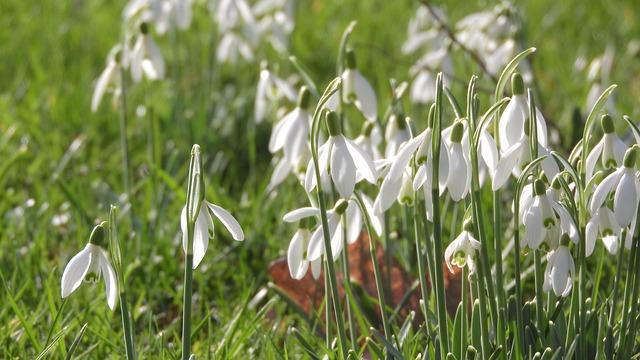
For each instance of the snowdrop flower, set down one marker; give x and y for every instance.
(423, 88)
(541, 222)
(369, 139)
(625, 186)
(459, 179)
(270, 88)
(342, 159)
(567, 224)
(296, 256)
(146, 58)
(89, 265)
(610, 149)
(461, 250)
(292, 131)
(518, 155)
(396, 133)
(357, 89)
(559, 272)
(511, 126)
(315, 248)
(109, 79)
(399, 167)
(203, 221)
(603, 225)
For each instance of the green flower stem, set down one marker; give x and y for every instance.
(327, 308)
(347, 281)
(126, 326)
(373, 252)
(484, 329)
(331, 89)
(628, 290)
(437, 226)
(539, 292)
(519, 331)
(464, 295)
(333, 284)
(422, 274)
(186, 300)
(627, 346)
(616, 282)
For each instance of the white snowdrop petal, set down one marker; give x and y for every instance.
(295, 257)
(389, 191)
(488, 150)
(110, 281)
(281, 131)
(343, 171)
(506, 165)
(316, 268)
(301, 213)
(102, 84)
(534, 232)
(404, 155)
(420, 178)
(457, 180)
(354, 222)
(591, 233)
(75, 271)
(603, 189)
(377, 222)
(280, 172)
(201, 236)
(366, 101)
(155, 56)
(625, 201)
(337, 237)
(362, 161)
(228, 221)
(315, 249)
(592, 160)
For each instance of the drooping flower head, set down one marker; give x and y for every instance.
(89, 265)
(610, 149)
(357, 90)
(146, 58)
(341, 159)
(623, 183)
(559, 272)
(461, 251)
(196, 214)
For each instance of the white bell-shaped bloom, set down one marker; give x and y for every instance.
(146, 58)
(541, 222)
(511, 126)
(517, 156)
(203, 225)
(567, 224)
(356, 89)
(396, 133)
(109, 79)
(559, 272)
(291, 133)
(461, 251)
(232, 46)
(487, 150)
(343, 159)
(270, 88)
(623, 183)
(89, 265)
(459, 178)
(610, 149)
(603, 225)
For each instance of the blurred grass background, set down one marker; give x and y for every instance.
(51, 52)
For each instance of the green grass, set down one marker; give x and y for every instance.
(51, 52)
